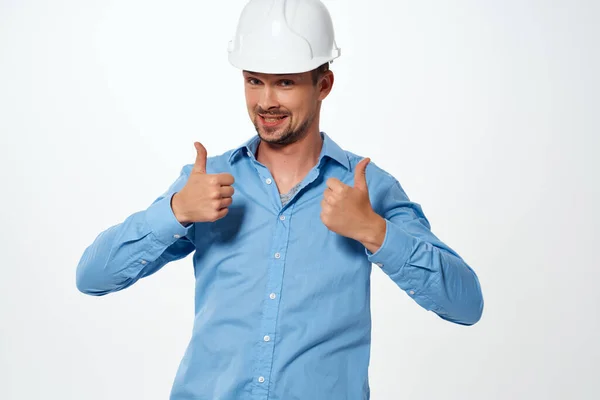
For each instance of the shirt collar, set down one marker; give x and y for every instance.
(330, 149)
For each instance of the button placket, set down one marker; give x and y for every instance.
(268, 327)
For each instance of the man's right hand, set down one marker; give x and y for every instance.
(205, 197)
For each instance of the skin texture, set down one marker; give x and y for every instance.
(294, 96)
(289, 150)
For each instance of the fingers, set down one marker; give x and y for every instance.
(200, 163)
(335, 185)
(360, 174)
(327, 199)
(225, 202)
(219, 214)
(226, 191)
(224, 179)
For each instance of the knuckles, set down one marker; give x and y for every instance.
(330, 182)
(214, 216)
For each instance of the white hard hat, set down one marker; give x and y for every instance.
(283, 37)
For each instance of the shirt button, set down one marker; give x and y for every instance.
(176, 236)
(249, 154)
(277, 255)
(267, 338)
(272, 295)
(282, 217)
(143, 261)
(412, 292)
(268, 180)
(261, 379)
(379, 264)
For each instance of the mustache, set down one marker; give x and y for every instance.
(270, 114)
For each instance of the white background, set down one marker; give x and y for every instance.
(485, 111)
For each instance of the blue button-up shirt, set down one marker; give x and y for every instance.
(282, 304)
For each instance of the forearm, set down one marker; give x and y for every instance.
(135, 248)
(431, 274)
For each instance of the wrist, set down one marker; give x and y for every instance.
(176, 208)
(374, 234)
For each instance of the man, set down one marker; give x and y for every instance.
(284, 230)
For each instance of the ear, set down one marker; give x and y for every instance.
(325, 84)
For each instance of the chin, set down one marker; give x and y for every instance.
(271, 136)
(271, 132)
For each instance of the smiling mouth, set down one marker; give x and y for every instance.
(273, 118)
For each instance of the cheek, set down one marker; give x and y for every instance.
(299, 111)
(251, 112)
(302, 107)
(251, 100)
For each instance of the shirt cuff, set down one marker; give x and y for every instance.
(395, 250)
(163, 223)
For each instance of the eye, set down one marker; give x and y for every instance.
(286, 82)
(253, 81)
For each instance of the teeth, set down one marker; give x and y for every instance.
(273, 119)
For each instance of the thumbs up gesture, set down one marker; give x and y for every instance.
(205, 197)
(347, 210)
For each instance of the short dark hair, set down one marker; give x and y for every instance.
(318, 72)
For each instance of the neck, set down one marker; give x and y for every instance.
(289, 164)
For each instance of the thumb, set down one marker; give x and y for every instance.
(360, 174)
(200, 164)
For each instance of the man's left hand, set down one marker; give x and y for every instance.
(347, 210)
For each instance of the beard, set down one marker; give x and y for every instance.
(289, 135)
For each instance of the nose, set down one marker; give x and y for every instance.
(268, 98)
